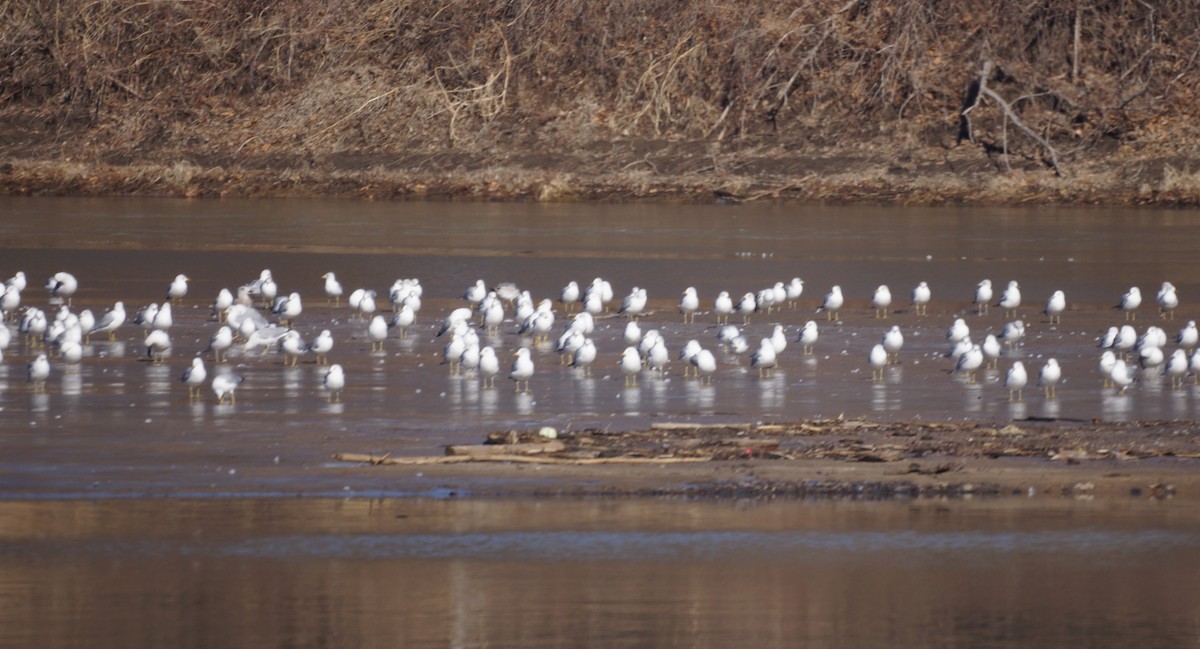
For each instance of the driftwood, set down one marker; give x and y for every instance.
(362, 458)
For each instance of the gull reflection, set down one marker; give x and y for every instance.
(879, 397)
(771, 392)
(158, 378)
(1115, 406)
(487, 401)
(631, 400)
(524, 402)
(587, 394)
(1179, 405)
(1017, 410)
(973, 398)
(1052, 409)
(39, 402)
(333, 407)
(197, 411)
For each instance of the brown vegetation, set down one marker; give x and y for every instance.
(914, 100)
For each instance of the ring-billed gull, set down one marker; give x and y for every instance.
(878, 359)
(87, 322)
(631, 364)
(569, 295)
(163, 319)
(1130, 301)
(763, 359)
(723, 307)
(221, 304)
(266, 337)
(475, 292)
(1010, 300)
(808, 337)
(1168, 301)
(1107, 361)
(468, 361)
(494, 317)
(225, 384)
(1188, 336)
(970, 362)
(958, 331)
(686, 354)
(833, 303)
(18, 281)
(403, 319)
(568, 344)
(522, 369)
(220, 342)
(62, 286)
(1013, 333)
(9, 301)
(333, 289)
(747, 306)
(178, 289)
(920, 299)
(145, 316)
(794, 290)
(288, 309)
(321, 346)
(1150, 359)
(658, 357)
(158, 345)
(38, 371)
(489, 366)
(706, 365)
(367, 305)
(194, 376)
(983, 296)
(293, 347)
(881, 301)
(334, 382)
(1120, 376)
(688, 303)
(1177, 368)
(71, 351)
(1015, 380)
(585, 356)
(778, 339)
(634, 303)
(1055, 306)
(111, 321)
(377, 332)
(1048, 378)
(991, 351)
(1194, 366)
(893, 342)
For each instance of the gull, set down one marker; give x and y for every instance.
(1048, 378)
(333, 289)
(539, 324)
(778, 340)
(585, 324)
(469, 360)
(593, 303)
(631, 364)
(1120, 376)
(223, 301)
(1126, 339)
(920, 299)
(243, 296)
(111, 320)
(1055, 306)
(9, 301)
(983, 296)
(264, 337)
(16, 282)
(1013, 333)
(747, 306)
(1150, 359)
(1188, 336)
(1177, 368)
(764, 300)
(1167, 300)
(633, 333)
(145, 316)
(1109, 340)
(688, 304)
(163, 319)
(1108, 360)
(723, 307)
(569, 295)
(255, 287)
(288, 309)
(87, 322)
(37, 371)
(568, 344)
(225, 384)
(71, 351)
(367, 305)
(355, 300)
(5, 339)
(780, 292)
(585, 356)
(178, 289)
(727, 333)
(476, 292)
(33, 325)
(522, 369)
(833, 302)
(658, 357)
(493, 317)
(453, 350)
(221, 341)
(403, 319)
(958, 332)
(794, 290)
(1015, 380)
(321, 346)
(377, 332)
(62, 286)
(1010, 300)
(991, 351)
(969, 362)
(881, 301)
(293, 346)
(268, 290)
(157, 344)
(893, 341)
(406, 291)
(508, 292)
(648, 341)
(524, 309)
(878, 360)
(1194, 366)
(687, 354)
(763, 359)
(1129, 303)
(335, 382)
(450, 322)
(194, 377)
(705, 364)
(245, 319)
(808, 337)
(489, 365)
(1154, 337)
(961, 347)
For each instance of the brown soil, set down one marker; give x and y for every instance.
(698, 101)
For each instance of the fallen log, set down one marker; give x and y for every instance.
(479, 450)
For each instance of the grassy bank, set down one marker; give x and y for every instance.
(923, 101)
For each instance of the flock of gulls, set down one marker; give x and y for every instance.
(258, 317)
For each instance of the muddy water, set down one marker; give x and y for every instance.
(427, 573)
(118, 424)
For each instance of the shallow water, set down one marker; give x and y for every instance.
(495, 573)
(118, 424)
